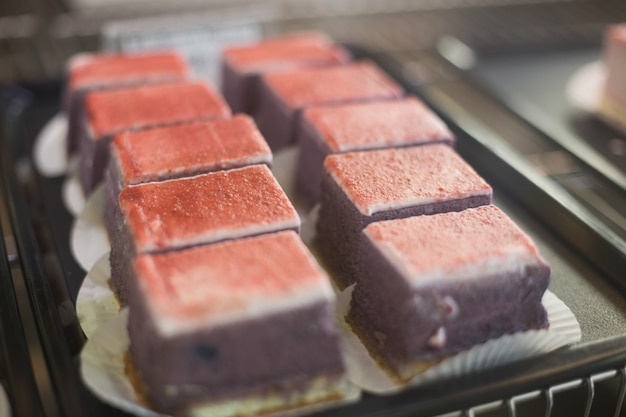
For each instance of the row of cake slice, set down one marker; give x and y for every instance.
(226, 303)
(422, 322)
(437, 268)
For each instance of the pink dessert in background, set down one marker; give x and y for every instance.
(179, 150)
(394, 178)
(243, 64)
(613, 101)
(286, 93)
(206, 208)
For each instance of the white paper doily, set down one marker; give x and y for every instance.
(365, 372)
(103, 370)
(72, 192)
(50, 147)
(89, 239)
(5, 407)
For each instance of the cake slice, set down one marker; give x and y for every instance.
(245, 326)
(178, 151)
(209, 208)
(613, 102)
(327, 130)
(285, 93)
(432, 286)
(242, 65)
(110, 112)
(89, 72)
(364, 187)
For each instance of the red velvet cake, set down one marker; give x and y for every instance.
(285, 93)
(89, 72)
(613, 101)
(246, 325)
(364, 187)
(243, 64)
(110, 112)
(327, 130)
(208, 208)
(181, 150)
(431, 286)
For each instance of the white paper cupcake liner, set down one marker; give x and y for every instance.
(72, 192)
(50, 148)
(5, 407)
(365, 372)
(89, 239)
(97, 307)
(96, 304)
(103, 369)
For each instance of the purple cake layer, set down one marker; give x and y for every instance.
(360, 188)
(326, 130)
(285, 93)
(451, 281)
(251, 316)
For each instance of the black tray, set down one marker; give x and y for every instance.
(41, 226)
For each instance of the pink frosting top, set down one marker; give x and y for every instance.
(206, 208)
(88, 70)
(244, 275)
(286, 52)
(395, 178)
(361, 81)
(112, 111)
(185, 149)
(444, 243)
(617, 33)
(377, 124)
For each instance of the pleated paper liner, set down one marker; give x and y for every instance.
(97, 306)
